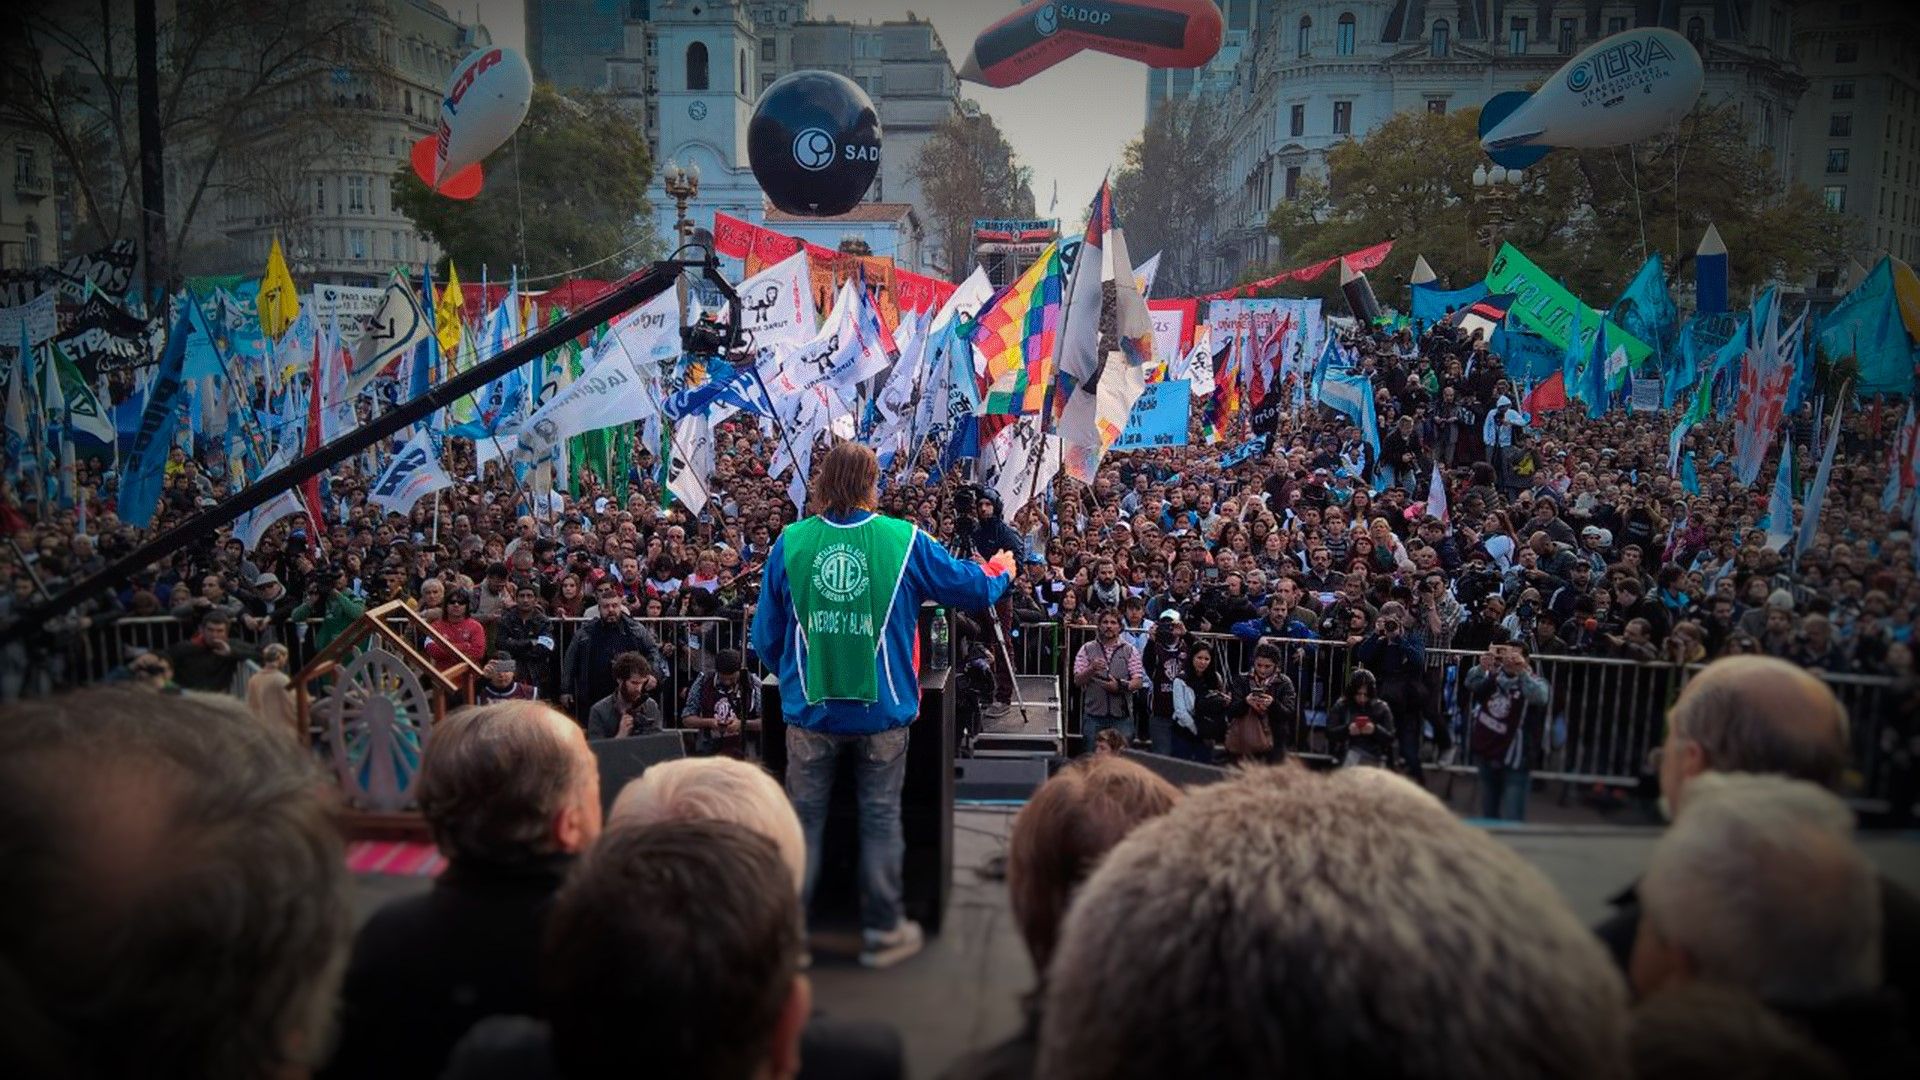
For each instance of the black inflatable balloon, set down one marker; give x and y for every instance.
(814, 143)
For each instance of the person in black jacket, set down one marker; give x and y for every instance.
(1360, 725)
(511, 794)
(991, 535)
(587, 674)
(526, 634)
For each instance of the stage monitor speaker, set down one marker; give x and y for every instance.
(1177, 771)
(622, 760)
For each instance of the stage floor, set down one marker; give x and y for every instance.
(963, 993)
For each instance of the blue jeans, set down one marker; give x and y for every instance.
(1092, 726)
(1160, 731)
(881, 768)
(1503, 792)
(1190, 747)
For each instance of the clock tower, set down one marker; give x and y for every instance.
(707, 56)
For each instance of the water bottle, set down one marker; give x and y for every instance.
(941, 658)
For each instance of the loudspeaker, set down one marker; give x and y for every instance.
(1177, 771)
(625, 759)
(926, 812)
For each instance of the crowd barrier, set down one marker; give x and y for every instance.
(1605, 716)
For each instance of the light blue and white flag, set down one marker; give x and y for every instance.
(1780, 506)
(1817, 494)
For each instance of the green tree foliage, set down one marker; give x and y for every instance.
(1165, 190)
(1581, 214)
(967, 170)
(569, 190)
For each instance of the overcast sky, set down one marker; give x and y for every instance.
(1068, 123)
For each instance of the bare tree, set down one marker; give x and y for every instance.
(1166, 189)
(967, 170)
(228, 72)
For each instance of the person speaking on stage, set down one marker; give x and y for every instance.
(837, 622)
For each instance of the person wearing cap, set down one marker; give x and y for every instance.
(1164, 659)
(502, 683)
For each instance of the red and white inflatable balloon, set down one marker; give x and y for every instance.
(487, 97)
(1158, 33)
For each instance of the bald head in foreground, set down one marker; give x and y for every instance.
(1288, 923)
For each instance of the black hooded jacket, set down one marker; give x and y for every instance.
(993, 535)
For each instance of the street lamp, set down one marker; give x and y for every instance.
(1496, 190)
(682, 186)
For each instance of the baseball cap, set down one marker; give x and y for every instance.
(1591, 532)
(1171, 615)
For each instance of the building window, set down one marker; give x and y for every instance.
(1344, 31)
(768, 50)
(1517, 36)
(697, 66)
(1437, 106)
(1293, 182)
(1303, 37)
(1697, 32)
(319, 194)
(766, 80)
(1616, 24)
(1297, 121)
(31, 248)
(743, 73)
(357, 243)
(1840, 125)
(1342, 117)
(1442, 38)
(1838, 160)
(357, 193)
(1843, 90)
(407, 95)
(24, 170)
(1846, 52)
(1567, 36)
(1835, 197)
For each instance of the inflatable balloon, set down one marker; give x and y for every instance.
(1158, 33)
(1624, 87)
(487, 97)
(814, 143)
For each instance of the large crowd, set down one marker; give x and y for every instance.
(1562, 536)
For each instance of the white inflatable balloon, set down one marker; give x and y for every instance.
(487, 97)
(1624, 87)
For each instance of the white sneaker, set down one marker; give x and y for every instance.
(885, 948)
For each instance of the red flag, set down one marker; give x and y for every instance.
(310, 487)
(1548, 396)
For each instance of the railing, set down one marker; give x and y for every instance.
(689, 644)
(1604, 717)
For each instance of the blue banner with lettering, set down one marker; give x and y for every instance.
(1430, 302)
(1529, 357)
(1159, 417)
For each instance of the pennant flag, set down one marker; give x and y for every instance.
(397, 326)
(1762, 399)
(147, 459)
(1097, 389)
(1780, 506)
(278, 301)
(1710, 273)
(1646, 310)
(1437, 494)
(1817, 495)
(1422, 273)
(1016, 336)
(446, 313)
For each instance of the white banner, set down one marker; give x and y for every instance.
(614, 388)
(847, 350)
(776, 305)
(396, 327)
(37, 316)
(354, 305)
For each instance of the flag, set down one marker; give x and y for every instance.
(278, 301)
(1817, 494)
(1224, 402)
(1096, 393)
(1762, 398)
(1674, 440)
(1016, 335)
(850, 348)
(1548, 396)
(1780, 506)
(1689, 476)
(310, 487)
(1903, 462)
(1646, 310)
(1020, 461)
(1487, 315)
(1197, 365)
(1593, 381)
(18, 389)
(1437, 494)
(446, 313)
(413, 474)
(1571, 358)
(147, 459)
(397, 326)
(1352, 394)
(692, 461)
(85, 415)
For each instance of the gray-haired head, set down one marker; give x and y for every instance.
(715, 789)
(1288, 923)
(1754, 714)
(176, 899)
(1759, 885)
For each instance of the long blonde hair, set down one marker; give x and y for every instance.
(847, 480)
